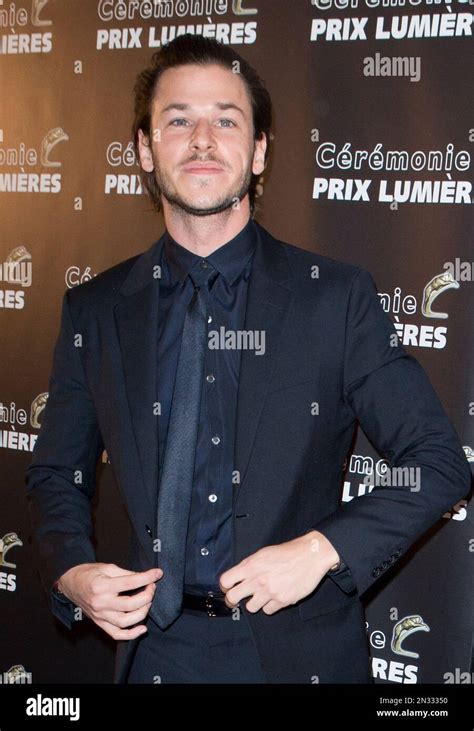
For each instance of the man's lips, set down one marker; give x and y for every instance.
(204, 168)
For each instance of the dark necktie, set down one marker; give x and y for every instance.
(175, 490)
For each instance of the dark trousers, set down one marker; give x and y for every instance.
(197, 649)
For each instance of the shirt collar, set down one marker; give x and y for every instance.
(229, 259)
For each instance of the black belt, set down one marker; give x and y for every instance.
(212, 604)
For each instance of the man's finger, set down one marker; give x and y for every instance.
(123, 620)
(111, 569)
(122, 634)
(231, 577)
(135, 580)
(272, 606)
(256, 603)
(125, 603)
(235, 595)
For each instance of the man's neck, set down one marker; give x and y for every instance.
(204, 234)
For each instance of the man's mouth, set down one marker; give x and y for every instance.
(202, 168)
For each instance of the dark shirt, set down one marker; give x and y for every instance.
(209, 541)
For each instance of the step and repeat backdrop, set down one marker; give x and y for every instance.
(372, 164)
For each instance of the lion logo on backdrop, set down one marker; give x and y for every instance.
(36, 8)
(403, 629)
(469, 452)
(17, 267)
(436, 286)
(238, 9)
(9, 541)
(50, 140)
(16, 674)
(37, 408)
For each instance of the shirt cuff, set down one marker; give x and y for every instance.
(342, 576)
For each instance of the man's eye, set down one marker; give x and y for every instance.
(181, 122)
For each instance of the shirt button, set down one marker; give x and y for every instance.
(204, 551)
(212, 498)
(204, 264)
(215, 440)
(210, 378)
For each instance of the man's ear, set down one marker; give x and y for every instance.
(144, 149)
(258, 165)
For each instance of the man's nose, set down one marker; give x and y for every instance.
(202, 137)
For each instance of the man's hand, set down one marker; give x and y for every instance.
(280, 575)
(95, 587)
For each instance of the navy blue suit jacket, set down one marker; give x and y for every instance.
(328, 342)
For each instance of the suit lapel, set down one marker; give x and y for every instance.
(269, 299)
(136, 318)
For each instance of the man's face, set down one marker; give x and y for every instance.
(202, 149)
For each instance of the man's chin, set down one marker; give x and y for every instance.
(200, 207)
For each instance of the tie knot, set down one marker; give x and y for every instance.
(203, 274)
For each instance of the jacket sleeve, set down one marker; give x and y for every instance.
(391, 396)
(60, 479)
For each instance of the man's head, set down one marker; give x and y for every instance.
(199, 102)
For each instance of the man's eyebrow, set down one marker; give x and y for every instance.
(184, 107)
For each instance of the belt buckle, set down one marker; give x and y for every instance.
(210, 604)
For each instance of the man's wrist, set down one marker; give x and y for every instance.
(323, 547)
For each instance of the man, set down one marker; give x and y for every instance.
(224, 372)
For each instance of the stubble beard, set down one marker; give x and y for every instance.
(221, 203)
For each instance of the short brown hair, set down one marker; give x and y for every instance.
(196, 49)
